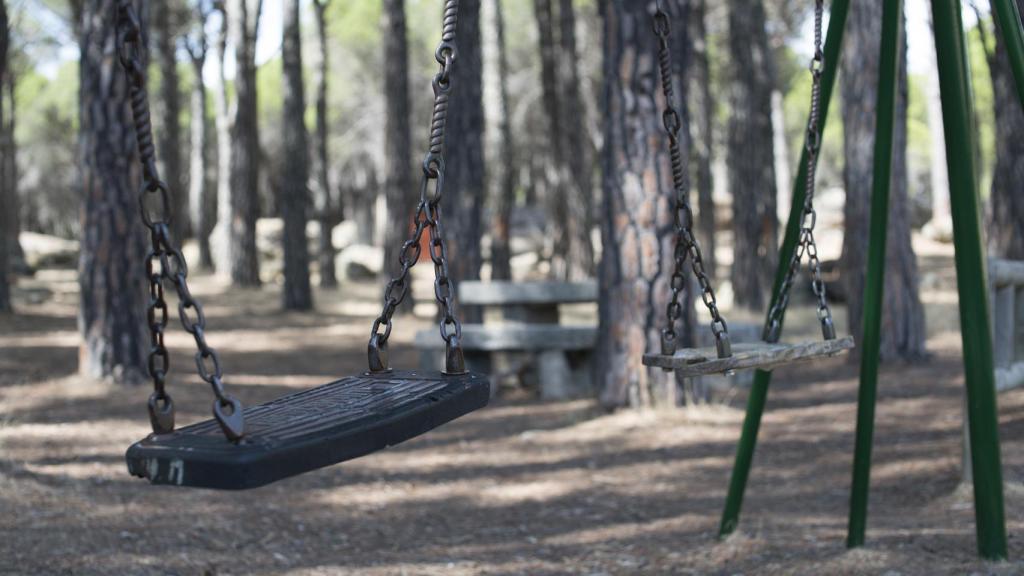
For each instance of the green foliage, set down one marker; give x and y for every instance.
(47, 122)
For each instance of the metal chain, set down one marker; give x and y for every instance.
(165, 261)
(808, 217)
(686, 244)
(428, 216)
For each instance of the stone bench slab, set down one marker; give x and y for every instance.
(521, 337)
(473, 293)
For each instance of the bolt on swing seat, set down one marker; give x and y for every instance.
(725, 358)
(244, 448)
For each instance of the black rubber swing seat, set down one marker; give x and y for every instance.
(346, 419)
(690, 362)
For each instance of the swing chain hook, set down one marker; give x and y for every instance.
(165, 262)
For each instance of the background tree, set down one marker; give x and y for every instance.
(5, 295)
(636, 222)
(328, 213)
(1006, 235)
(243, 26)
(702, 116)
(398, 167)
(751, 159)
(504, 195)
(165, 34)
(221, 249)
(556, 170)
(110, 273)
(202, 196)
(10, 216)
(465, 185)
(294, 199)
(903, 331)
(576, 149)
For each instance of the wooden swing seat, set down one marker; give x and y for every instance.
(346, 419)
(690, 362)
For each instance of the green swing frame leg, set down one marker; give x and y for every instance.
(972, 282)
(762, 378)
(888, 81)
(971, 277)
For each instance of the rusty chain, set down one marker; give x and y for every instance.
(808, 217)
(428, 216)
(165, 261)
(686, 245)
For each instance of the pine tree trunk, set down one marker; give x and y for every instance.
(702, 114)
(465, 186)
(243, 24)
(111, 278)
(325, 208)
(1007, 226)
(202, 199)
(399, 173)
(219, 240)
(294, 199)
(580, 182)
(751, 158)
(553, 163)
(168, 127)
(501, 228)
(12, 218)
(5, 293)
(903, 330)
(636, 220)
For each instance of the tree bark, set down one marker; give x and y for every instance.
(243, 25)
(294, 201)
(325, 208)
(702, 114)
(751, 158)
(202, 196)
(398, 164)
(555, 169)
(465, 184)
(5, 294)
(1006, 238)
(636, 220)
(580, 182)
(903, 330)
(169, 112)
(501, 228)
(220, 248)
(12, 217)
(111, 278)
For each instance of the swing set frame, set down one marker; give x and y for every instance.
(968, 240)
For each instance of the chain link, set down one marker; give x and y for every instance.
(428, 218)
(165, 261)
(808, 217)
(686, 245)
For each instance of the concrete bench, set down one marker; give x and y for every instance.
(555, 356)
(1007, 297)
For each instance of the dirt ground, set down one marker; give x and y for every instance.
(521, 487)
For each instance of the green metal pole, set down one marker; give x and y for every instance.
(957, 119)
(1008, 18)
(885, 106)
(762, 378)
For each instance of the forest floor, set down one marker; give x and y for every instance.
(521, 487)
